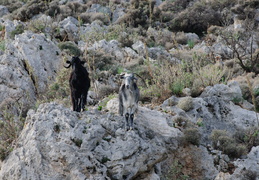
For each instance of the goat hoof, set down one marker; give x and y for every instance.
(127, 128)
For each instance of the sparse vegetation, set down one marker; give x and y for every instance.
(242, 44)
(19, 29)
(2, 45)
(169, 64)
(224, 142)
(185, 103)
(58, 90)
(175, 172)
(192, 135)
(70, 47)
(10, 127)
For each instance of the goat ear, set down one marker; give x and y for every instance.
(122, 76)
(135, 79)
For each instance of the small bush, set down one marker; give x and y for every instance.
(2, 45)
(185, 103)
(192, 135)
(180, 121)
(227, 144)
(249, 137)
(19, 29)
(30, 9)
(71, 48)
(58, 90)
(175, 171)
(100, 16)
(10, 127)
(190, 44)
(215, 134)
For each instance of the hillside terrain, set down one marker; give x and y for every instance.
(197, 64)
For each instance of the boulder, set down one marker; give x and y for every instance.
(69, 28)
(247, 167)
(57, 143)
(97, 8)
(117, 13)
(3, 11)
(215, 110)
(29, 65)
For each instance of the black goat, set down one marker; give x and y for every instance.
(128, 99)
(79, 83)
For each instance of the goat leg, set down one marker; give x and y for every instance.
(131, 121)
(127, 121)
(83, 102)
(74, 103)
(78, 104)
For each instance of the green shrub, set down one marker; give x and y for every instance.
(185, 103)
(19, 29)
(249, 137)
(215, 134)
(175, 172)
(190, 44)
(70, 47)
(227, 144)
(2, 27)
(10, 127)
(2, 45)
(192, 135)
(58, 90)
(180, 121)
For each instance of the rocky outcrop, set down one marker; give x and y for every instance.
(29, 64)
(215, 109)
(57, 143)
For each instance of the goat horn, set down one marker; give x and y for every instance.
(68, 62)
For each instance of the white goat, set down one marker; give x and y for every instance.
(128, 99)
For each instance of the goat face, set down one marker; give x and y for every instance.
(74, 61)
(129, 80)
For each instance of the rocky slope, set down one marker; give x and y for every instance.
(207, 131)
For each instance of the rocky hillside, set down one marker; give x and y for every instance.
(197, 68)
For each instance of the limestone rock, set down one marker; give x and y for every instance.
(3, 10)
(29, 64)
(68, 27)
(57, 143)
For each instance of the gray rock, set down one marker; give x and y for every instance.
(9, 27)
(244, 168)
(117, 13)
(226, 92)
(41, 57)
(192, 37)
(57, 143)
(247, 167)
(140, 48)
(69, 28)
(112, 47)
(29, 64)
(221, 49)
(3, 11)
(97, 8)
